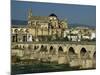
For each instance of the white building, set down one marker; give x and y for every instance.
(29, 38)
(93, 35)
(73, 37)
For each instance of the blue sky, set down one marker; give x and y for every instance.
(80, 14)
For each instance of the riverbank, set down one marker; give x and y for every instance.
(41, 68)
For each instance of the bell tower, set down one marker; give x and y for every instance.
(29, 18)
(30, 13)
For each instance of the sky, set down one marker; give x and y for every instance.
(75, 14)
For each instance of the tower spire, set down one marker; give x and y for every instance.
(30, 13)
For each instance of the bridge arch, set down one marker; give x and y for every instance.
(94, 55)
(36, 47)
(83, 53)
(52, 50)
(51, 47)
(60, 49)
(71, 51)
(30, 46)
(94, 59)
(43, 48)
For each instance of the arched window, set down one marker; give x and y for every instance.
(16, 31)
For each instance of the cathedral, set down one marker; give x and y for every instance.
(40, 28)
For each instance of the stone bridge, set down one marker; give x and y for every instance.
(60, 52)
(60, 47)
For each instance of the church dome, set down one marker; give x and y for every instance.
(53, 15)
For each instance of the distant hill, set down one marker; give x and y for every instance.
(18, 22)
(24, 23)
(80, 25)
